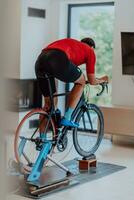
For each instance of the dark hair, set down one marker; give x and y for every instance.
(89, 41)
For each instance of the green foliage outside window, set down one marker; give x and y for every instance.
(99, 26)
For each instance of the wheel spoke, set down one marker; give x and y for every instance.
(21, 146)
(90, 121)
(83, 119)
(27, 159)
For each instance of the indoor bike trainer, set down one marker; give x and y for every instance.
(33, 150)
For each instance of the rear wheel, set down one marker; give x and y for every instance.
(88, 136)
(28, 141)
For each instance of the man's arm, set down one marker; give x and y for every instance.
(95, 81)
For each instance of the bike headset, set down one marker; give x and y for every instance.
(89, 41)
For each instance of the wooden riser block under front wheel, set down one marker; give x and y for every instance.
(85, 165)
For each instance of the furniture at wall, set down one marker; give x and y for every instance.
(119, 120)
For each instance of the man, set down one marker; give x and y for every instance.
(61, 59)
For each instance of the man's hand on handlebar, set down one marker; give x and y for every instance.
(95, 81)
(103, 79)
(103, 82)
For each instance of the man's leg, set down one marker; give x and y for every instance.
(76, 92)
(46, 107)
(72, 101)
(47, 102)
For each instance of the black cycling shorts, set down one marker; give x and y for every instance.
(55, 62)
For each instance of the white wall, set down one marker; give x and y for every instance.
(35, 34)
(2, 110)
(24, 36)
(123, 86)
(11, 38)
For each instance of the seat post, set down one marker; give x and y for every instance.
(50, 92)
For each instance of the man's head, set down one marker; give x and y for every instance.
(89, 41)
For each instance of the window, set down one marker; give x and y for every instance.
(95, 20)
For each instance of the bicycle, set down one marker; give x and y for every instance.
(32, 151)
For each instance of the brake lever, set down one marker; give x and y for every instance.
(103, 85)
(107, 88)
(102, 90)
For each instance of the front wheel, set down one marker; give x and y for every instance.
(88, 136)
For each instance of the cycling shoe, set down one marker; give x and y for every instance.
(66, 122)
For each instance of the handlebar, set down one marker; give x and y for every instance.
(103, 86)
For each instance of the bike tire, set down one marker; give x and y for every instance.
(89, 132)
(23, 130)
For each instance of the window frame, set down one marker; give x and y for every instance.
(69, 17)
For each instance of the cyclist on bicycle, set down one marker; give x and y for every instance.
(61, 60)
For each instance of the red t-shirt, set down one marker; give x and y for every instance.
(77, 52)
